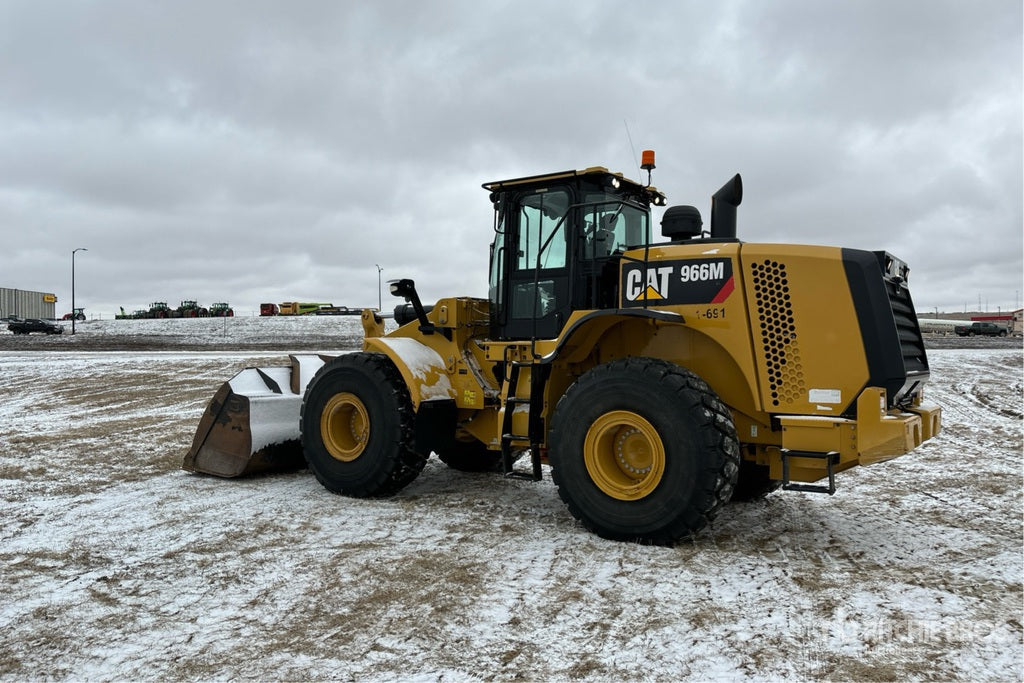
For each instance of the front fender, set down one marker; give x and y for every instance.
(423, 369)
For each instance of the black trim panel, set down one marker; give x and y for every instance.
(882, 334)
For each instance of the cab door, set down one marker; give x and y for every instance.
(534, 297)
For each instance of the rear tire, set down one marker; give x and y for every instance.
(357, 427)
(643, 450)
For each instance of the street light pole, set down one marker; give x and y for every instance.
(73, 286)
(380, 302)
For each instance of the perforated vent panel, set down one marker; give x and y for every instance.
(778, 332)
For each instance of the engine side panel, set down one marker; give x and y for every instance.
(783, 314)
(805, 331)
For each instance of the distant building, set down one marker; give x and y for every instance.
(23, 303)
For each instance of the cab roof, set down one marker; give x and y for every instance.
(598, 173)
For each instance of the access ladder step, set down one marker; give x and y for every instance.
(534, 402)
(534, 474)
(831, 459)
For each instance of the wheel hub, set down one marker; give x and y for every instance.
(344, 427)
(624, 455)
(633, 451)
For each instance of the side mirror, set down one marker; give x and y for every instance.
(406, 289)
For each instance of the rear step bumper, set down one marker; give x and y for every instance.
(875, 436)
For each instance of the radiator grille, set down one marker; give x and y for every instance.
(909, 332)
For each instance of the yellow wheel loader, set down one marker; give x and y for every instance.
(658, 380)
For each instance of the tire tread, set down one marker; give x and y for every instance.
(403, 464)
(717, 432)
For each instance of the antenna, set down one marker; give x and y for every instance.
(631, 147)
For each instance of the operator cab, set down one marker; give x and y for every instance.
(558, 242)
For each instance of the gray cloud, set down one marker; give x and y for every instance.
(259, 151)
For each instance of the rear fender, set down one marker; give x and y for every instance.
(722, 360)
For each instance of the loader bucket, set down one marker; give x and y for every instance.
(252, 423)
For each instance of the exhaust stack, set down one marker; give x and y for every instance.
(723, 208)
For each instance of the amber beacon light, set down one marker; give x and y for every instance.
(647, 160)
(647, 163)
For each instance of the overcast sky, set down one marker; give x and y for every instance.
(274, 151)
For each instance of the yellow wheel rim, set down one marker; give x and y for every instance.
(345, 427)
(624, 455)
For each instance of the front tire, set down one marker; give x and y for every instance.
(643, 450)
(357, 427)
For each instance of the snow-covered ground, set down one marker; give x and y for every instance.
(117, 565)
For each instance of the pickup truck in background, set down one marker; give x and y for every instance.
(980, 328)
